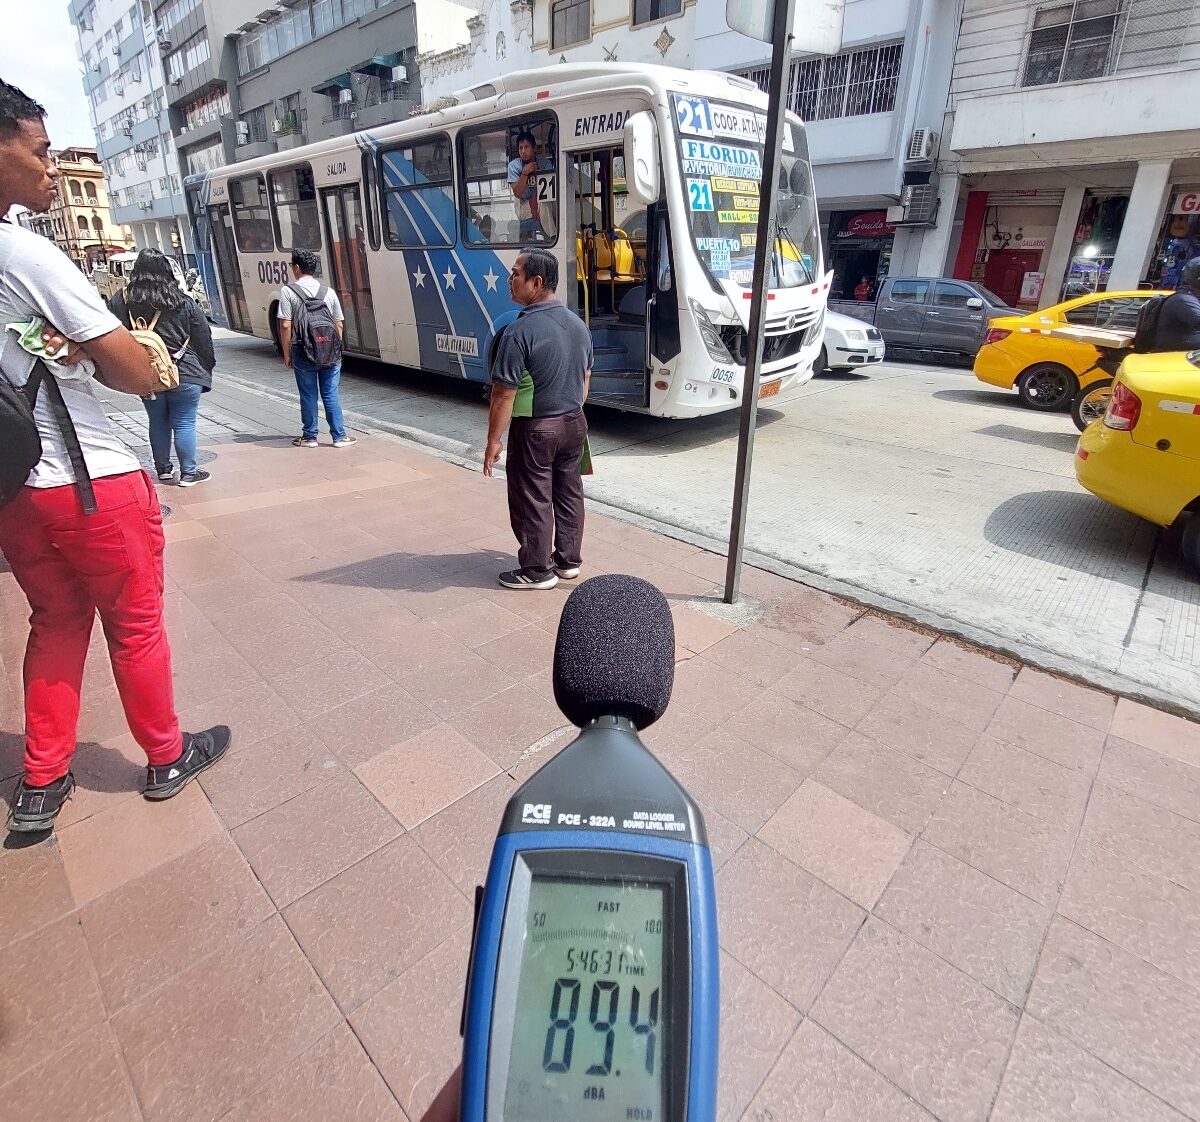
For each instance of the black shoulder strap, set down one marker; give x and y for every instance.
(41, 376)
(322, 292)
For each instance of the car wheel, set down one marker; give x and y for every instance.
(1189, 544)
(1091, 403)
(821, 366)
(1047, 386)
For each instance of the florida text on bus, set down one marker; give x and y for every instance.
(643, 181)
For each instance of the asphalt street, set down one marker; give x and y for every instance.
(913, 487)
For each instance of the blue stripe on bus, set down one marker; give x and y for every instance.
(473, 305)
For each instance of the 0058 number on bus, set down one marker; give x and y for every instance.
(274, 272)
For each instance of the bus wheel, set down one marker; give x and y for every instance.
(274, 313)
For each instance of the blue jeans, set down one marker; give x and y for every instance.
(311, 381)
(173, 413)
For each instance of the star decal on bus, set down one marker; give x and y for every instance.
(491, 277)
(419, 277)
(449, 276)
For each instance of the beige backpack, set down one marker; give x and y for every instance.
(161, 358)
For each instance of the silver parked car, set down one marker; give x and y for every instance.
(849, 344)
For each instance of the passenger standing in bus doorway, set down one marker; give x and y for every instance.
(522, 179)
(310, 315)
(539, 381)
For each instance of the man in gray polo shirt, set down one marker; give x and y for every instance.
(539, 378)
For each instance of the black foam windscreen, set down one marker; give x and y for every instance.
(615, 652)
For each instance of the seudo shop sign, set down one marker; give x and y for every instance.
(862, 224)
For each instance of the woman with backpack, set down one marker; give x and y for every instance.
(154, 297)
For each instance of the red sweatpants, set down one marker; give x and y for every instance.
(70, 566)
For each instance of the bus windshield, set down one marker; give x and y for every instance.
(720, 153)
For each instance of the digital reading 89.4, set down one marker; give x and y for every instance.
(591, 1008)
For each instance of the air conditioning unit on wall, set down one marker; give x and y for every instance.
(918, 206)
(922, 147)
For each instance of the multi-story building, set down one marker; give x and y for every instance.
(1075, 138)
(123, 83)
(863, 106)
(322, 68)
(80, 220)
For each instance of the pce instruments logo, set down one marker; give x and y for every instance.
(536, 814)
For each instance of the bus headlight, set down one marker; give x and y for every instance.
(717, 350)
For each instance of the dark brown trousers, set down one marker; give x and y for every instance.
(545, 491)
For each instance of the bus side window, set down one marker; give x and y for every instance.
(418, 193)
(494, 160)
(251, 214)
(297, 220)
(371, 196)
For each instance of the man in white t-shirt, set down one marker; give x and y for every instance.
(312, 378)
(72, 564)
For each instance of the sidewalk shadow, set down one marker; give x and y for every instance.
(397, 572)
(1058, 441)
(1075, 531)
(265, 438)
(981, 396)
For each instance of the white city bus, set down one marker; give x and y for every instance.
(653, 225)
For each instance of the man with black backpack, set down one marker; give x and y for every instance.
(1178, 326)
(310, 336)
(80, 524)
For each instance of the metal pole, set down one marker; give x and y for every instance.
(764, 247)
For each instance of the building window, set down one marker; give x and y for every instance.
(1071, 41)
(211, 108)
(646, 11)
(89, 190)
(297, 220)
(570, 22)
(418, 194)
(255, 130)
(850, 84)
(190, 55)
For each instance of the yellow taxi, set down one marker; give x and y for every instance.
(1144, 454)
(1049, 372)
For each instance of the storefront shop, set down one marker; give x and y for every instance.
(1094, 246)
(1011, 233)
(1178, 240)
(859, 245)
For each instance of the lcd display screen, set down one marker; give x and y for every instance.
(591, 1010)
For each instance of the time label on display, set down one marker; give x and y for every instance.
(591, 1006)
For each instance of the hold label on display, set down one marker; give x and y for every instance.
(458, 345)
(746, 186)
(704, 157)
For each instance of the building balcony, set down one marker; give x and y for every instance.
(1120, 117)
(254, 149)
(201, 133)
(199, 80)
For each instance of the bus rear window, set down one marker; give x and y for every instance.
(251, 214)
(297, 220)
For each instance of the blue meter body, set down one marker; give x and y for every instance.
(593, 993)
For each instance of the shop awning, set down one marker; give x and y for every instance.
(379, 65)
(337, 82)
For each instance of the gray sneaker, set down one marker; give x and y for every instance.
(345, 441)
(194, 477)
(305, 442)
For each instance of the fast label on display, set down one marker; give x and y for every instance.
(745, 202)
(738, 217)
(700, 194)
(693, 115)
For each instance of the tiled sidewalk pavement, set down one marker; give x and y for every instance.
(949, 887)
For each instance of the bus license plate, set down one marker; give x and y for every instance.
(769, 389)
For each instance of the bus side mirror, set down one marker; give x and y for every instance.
(641, 158)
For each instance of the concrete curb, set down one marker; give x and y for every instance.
(465, 455)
